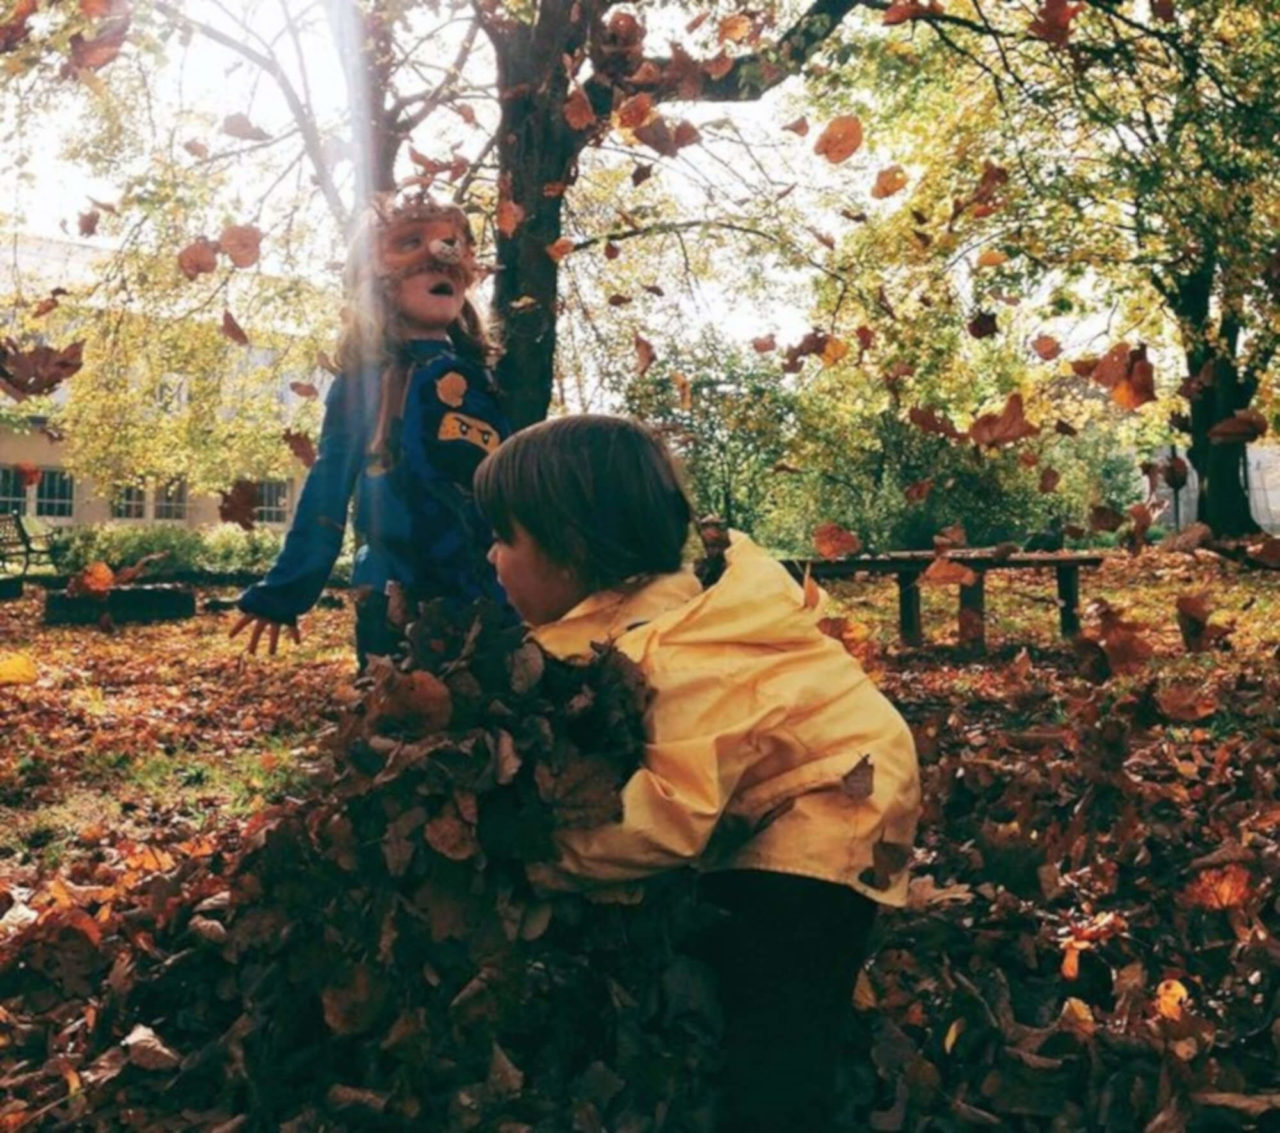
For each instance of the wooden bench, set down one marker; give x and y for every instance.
(19, 548)
(908, 566)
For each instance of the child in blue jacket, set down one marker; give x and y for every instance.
(406, 424)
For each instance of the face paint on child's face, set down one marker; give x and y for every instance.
(428, 264)
(539, 589)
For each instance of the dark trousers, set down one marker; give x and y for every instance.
(375, 636)
(786, 958)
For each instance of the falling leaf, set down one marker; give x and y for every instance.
(684, 390)
(1175, 472)
(304, 389)
(196, 148)
(1171, 997)
(1047, 347)
(919, 491)
(947, 572)
(840, 139)
(653, 289)
(1049, 480)
(984, 325)
(764, 345)
(992, 258)
(617, 300)
(800, 127)
(239, 126)
(38, 370)
(636, 111)
(929, 421)
(834, 350)
(1053, 21)
(239, 504)
(561, 248)
(1243, 427)
(901, 11)
(509, 216)
(735, 28)
(832, 541)
(1164, 10)
(1105, 518)
(577, 110)
(889, 181)
(301, 446)
(641, 173)
(89, 55)
(240, 243)
(198, 258)
(233, 330)
(88, 222)
(644, 355)
(611, 250)
(1198, 635)
(1003, 428)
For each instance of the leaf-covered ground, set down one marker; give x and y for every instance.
(1091, 942)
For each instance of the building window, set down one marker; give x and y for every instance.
(171, 500)
(13, 492)
(55, 494)
(129, 503)
(273, 501)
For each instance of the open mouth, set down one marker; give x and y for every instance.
(444, 288)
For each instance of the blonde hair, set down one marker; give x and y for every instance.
(370, 330)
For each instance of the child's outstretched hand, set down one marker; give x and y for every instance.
(260, 625)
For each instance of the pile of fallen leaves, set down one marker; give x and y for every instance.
(376, 957)
(1091, 940)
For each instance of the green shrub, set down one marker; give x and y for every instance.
(231, 548)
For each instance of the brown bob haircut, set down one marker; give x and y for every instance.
(599, 494)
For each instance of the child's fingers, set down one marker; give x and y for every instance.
(258, 626)
(275, 639)
(297, 637)
(244, 621)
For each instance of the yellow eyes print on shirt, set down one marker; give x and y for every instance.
(460, 427)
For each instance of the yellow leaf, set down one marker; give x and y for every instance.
(17, 669)
(953, 1032)
(835, 349)
(1170, 997)
(684, 389)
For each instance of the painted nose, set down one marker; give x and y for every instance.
(446, 249)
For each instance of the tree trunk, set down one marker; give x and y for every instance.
(537, 153)
(1223, 500)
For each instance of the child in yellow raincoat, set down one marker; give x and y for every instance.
(772, 764)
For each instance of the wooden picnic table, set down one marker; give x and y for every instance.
(908, 566)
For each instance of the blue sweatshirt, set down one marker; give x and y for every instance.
(415, 520)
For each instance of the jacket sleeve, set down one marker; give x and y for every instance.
(673, 804)
(314, 541)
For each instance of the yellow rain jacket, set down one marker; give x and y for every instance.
(756, 721)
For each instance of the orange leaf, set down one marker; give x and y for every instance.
(644, 355)
(764, 345)
(198, 258)
(890, 180)
(832, 541)
(28, 473)
(304, 389)
(799, 127)
(1003, 428)
(900, 11)
(560, 248)
(241, 243)
(735, 28)
(509, 217)
(684, 390)
(840, 139)
(636, 111)
(1225, 888)
(577, 110)
(1047, 347)
(1245, 426)
(919, 491)
(947, 572)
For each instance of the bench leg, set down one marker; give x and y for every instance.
(1069, 600)
(973, 611)
(909, 608)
